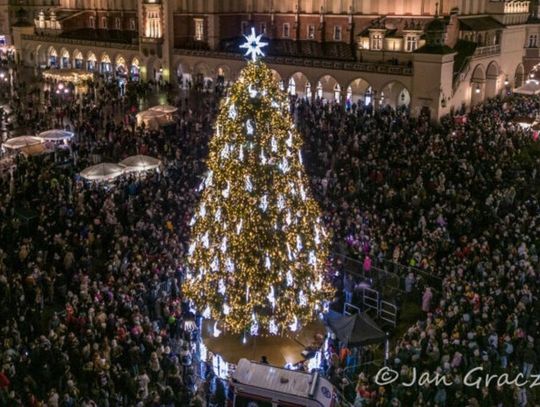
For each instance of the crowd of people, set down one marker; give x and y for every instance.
(90, 276)
(460, 202)
(91, 308)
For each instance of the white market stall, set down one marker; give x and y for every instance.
(152, 119)
(102, 172)
(167, 109)
(524, 121)
(531, 87)
(140, 163)
(17, 143)
(56, 135)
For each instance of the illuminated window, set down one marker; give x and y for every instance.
(376, 42)
(311, 32)
(411, 43)
(92, 22)
(104, 22)
(533, 38)
(199, 29)
(337, 33)
(153, 25)
(132, 26)
(286, 30)
(262, 28)
(117, 24)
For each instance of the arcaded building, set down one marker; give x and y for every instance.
(432, 55)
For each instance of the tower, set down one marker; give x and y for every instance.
(155, 44)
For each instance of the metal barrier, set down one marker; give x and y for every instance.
(349, 309)
(379, 278)
(388, 313)
(370, 299)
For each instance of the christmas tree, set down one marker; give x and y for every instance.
(258, 247)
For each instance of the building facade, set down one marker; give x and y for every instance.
(431, 55)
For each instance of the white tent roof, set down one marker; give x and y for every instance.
(102, 172)
(150, 114)
(531, 87)
(56, 135)
(140, 163)
(164, 108)
(17, 143)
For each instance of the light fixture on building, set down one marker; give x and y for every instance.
(506, 81)
(477, 90)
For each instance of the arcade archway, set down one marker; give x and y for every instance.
(395, 94)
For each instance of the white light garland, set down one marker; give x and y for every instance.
(264, 203)
(232, 112)
(250, 128)
(272, 327)
(249, 185)
(205, 241)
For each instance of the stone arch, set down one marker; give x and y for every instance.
(299, 84)
(91, 61)
(492, 79)
(135, 69)
(120, 66)
(358, 91)
(105, 64)
(223, 74)
(183, 74)
(64, 59)
(395, 94)
(42, 57)
(278, 79)
(478, 85)
(328, 88)
(154, 69)
(78, 59)
(52, 57)
(519, 75)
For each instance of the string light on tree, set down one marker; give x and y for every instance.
(258, 234)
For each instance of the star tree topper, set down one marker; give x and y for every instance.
(254, 45)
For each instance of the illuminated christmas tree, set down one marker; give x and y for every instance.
(258, 247)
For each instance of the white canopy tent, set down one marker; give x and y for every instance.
(17, 143)
(524, 121)
(139, 163)
(102, 172)
(56, 135)
(531, 87)
(152, 119)
(168, 109)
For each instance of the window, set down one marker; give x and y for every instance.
(376, 42)
(199, 29)
(262, 28)
(286, 30)
(311, 32)
(533, 38)
(104, 22)
(92, 22)
(132, 24)
(244, 27)
(337, 33)
(411, 43)
(153, 25)
(117, 24)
